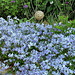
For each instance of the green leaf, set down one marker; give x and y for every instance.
(13, 13)
(4, 0)
(28, 4)
(2, 4)
(49, 9)
(7, 7)
(21, 20)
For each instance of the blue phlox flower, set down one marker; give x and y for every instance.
(10, 55)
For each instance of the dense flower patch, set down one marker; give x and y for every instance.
(32, 49)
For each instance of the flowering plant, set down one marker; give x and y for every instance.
(29, 48)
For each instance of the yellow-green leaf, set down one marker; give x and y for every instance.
(7, 7)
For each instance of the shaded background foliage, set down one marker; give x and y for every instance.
(51, 10)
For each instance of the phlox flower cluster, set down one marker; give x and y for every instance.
(36, 50)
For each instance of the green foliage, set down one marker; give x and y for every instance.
(73, 23)
(63, 19)
(49, 8)
(8, 8)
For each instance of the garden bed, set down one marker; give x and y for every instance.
(31, 48)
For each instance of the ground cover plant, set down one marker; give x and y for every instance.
(32, 49)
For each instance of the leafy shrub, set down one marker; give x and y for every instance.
(49, 7)
(13, 8)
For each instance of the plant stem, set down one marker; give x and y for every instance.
(30, 18)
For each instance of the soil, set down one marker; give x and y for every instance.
(5, 71)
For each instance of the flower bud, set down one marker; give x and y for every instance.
(39, 15)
